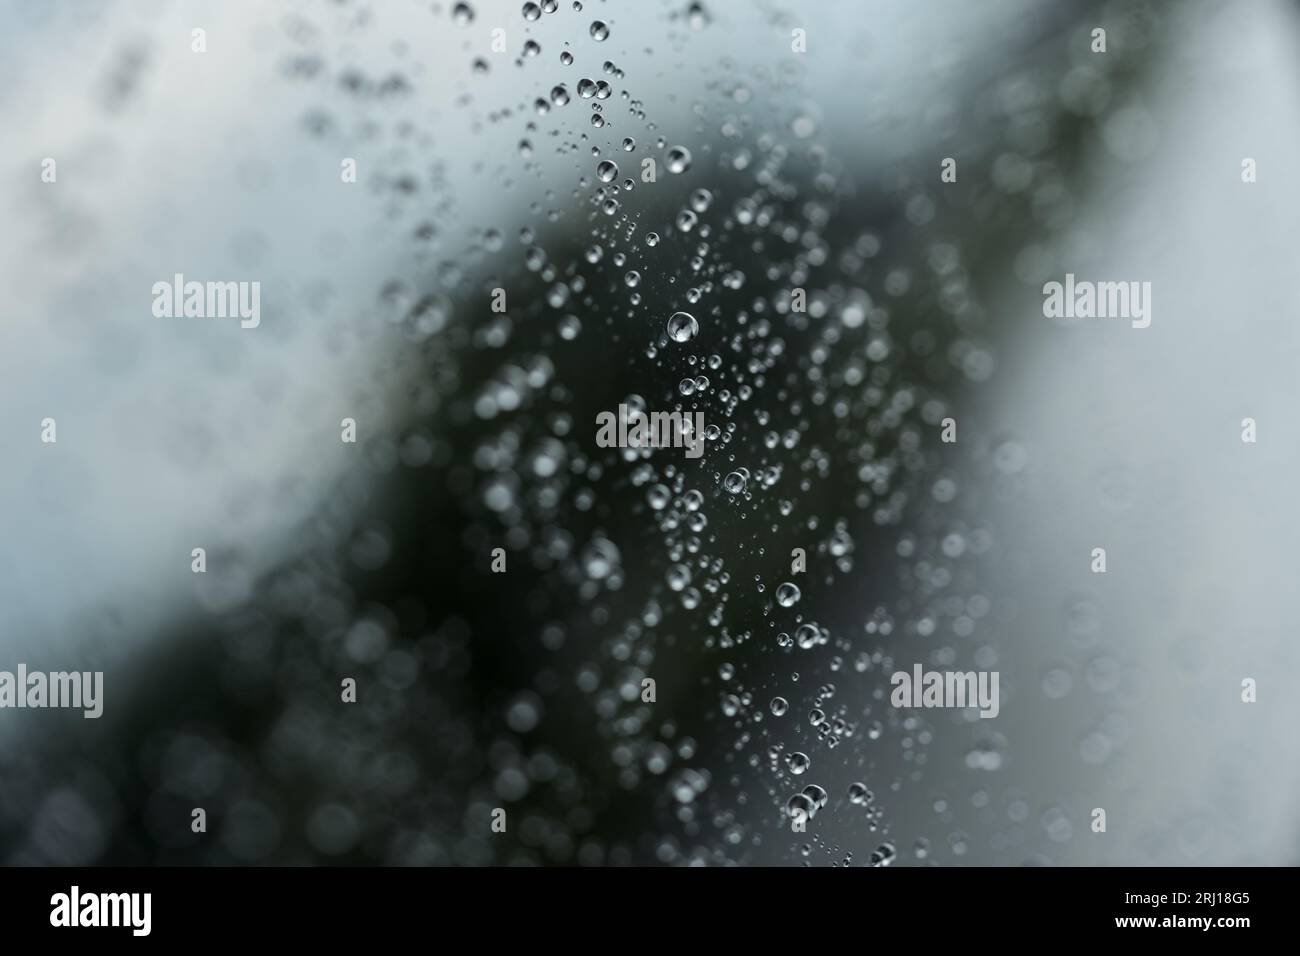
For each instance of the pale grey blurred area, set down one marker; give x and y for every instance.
(172, 433)
(1132, 441)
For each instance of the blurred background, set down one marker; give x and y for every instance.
(776, 170)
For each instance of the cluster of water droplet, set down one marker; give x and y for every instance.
(677, 291)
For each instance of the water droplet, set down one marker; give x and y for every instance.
(679, 159)
(599, 30)
(800, 805)
(525, 712)
(659, 496)
(570, 326)
(859, 794)
(682, 327)
(807, 635)
(817, 795)
(600, 559)
(787, 594)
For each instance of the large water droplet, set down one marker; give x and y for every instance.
(682, 327)
(807, 635)
(787, 594)
(679, 159)
(859, 794)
